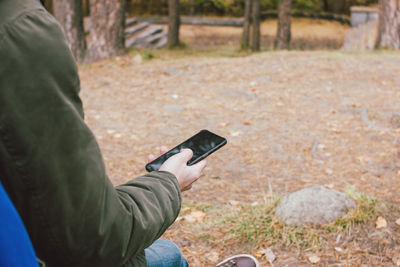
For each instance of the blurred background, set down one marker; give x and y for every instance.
(242, 24)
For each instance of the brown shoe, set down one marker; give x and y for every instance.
(242, 260)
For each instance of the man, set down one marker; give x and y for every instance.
(52, 168)
(51, 165)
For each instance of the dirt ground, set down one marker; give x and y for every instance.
(292, 120)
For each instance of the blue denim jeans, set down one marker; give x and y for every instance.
(164, 253)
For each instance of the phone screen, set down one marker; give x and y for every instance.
(202, 144)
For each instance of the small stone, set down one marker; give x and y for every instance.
(263, 79)
(175, 108)
(395, 120)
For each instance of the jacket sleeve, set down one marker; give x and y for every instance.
(51, 164)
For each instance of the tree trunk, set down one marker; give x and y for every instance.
(191, 7)
(173, 23)
(246, 24)
(255, 44)
(325, 6)
(48, 4)
(106, 38)
(389, 24)
(282, 40)
(339, 6)
(69, 15)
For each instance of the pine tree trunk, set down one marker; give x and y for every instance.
(255, 44)
(191, 7)
(282, 40)
(325, 6)
(106, 38)
(69, 15)
(339, 6)
(48, 4)
(246, 24)
(389, 24)
(173, 23)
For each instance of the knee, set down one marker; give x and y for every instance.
(164, 252)
(174, 254)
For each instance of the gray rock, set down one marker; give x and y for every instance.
(314, 205)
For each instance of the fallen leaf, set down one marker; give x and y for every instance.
(260, 253)
(137, 59)
(235, 133)
(380, 223)
(234, 202)
(396, 260)
(330, 186)
(195, 216)
(339, 249)
(224, 124)
(363, 159)
(212, 256)
(246, 123)
(270, 255)
(314, 259)
(189, 219)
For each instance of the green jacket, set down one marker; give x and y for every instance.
(50, 162)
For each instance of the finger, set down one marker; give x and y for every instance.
(163, 150)
(150, 158)
(187, 187)
(186, 154)
(199, 166)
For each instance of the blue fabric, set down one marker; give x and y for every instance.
(164, 253)
(15, 246)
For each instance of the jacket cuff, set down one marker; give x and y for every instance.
(173, 179)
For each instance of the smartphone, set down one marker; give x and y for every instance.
(202, 144)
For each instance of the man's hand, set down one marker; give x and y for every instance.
(177, 165)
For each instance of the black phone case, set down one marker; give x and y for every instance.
(202, 144)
